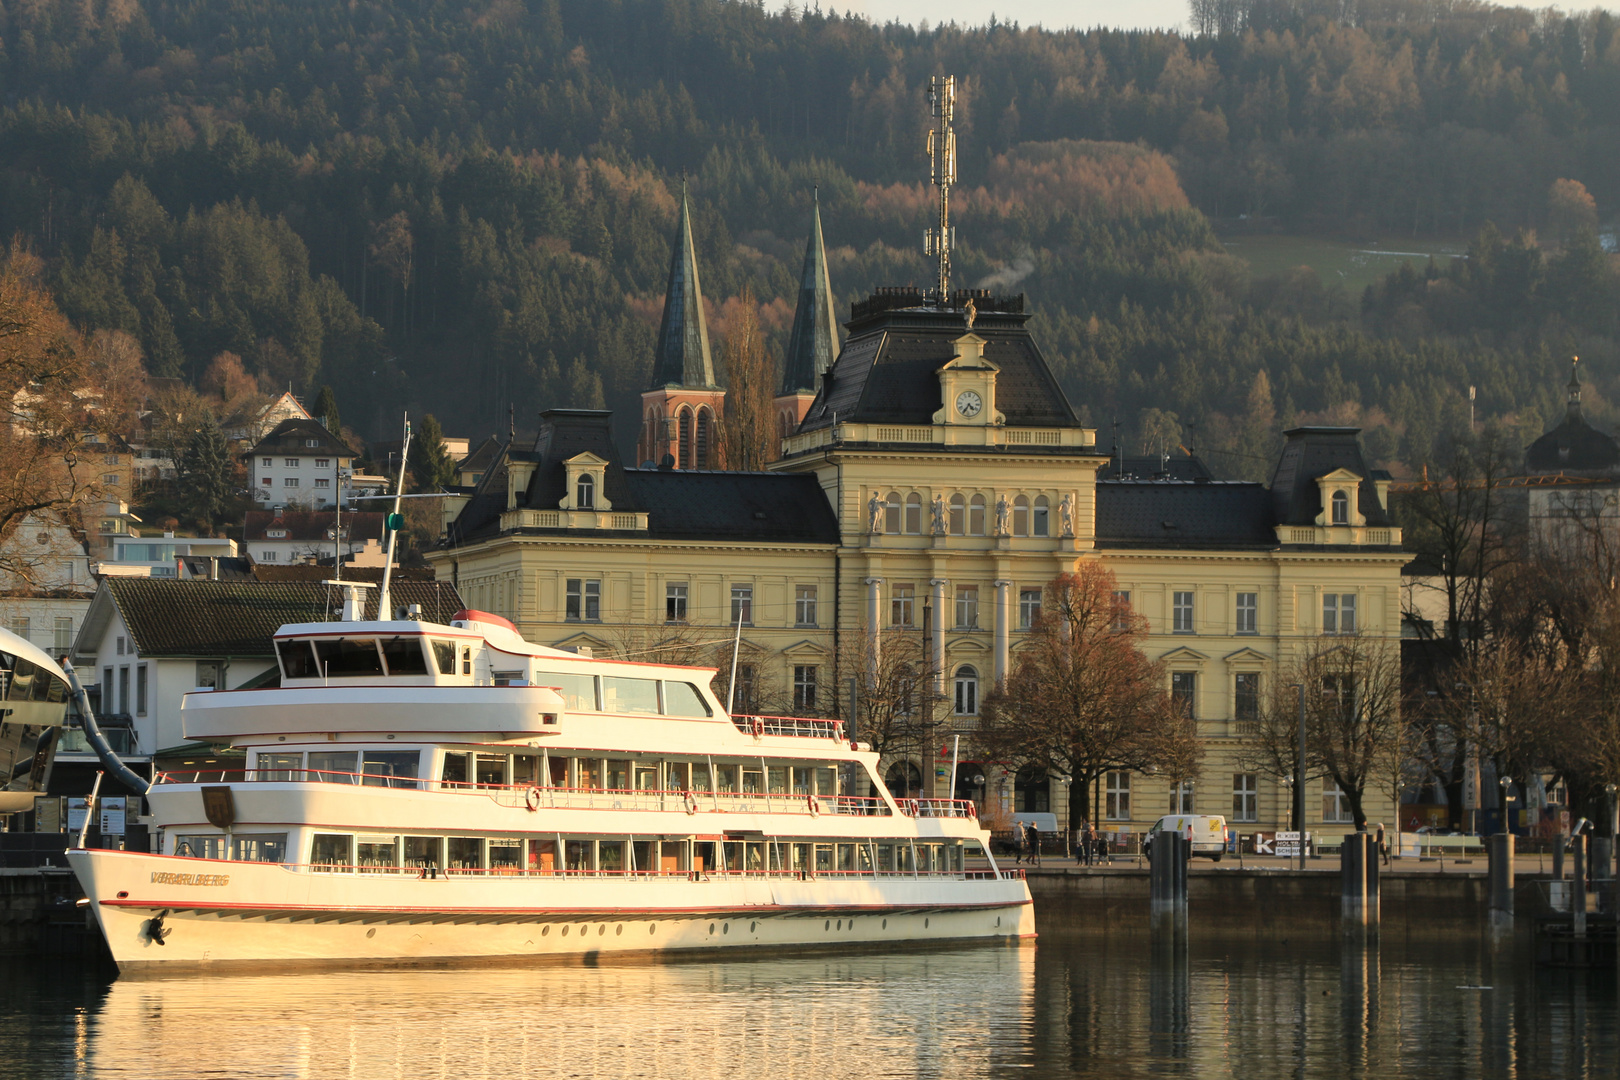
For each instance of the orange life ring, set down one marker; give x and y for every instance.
(531, 798)
(758, 726)
(909, 806)
(691, 803)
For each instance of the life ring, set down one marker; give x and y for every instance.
(909, 806)
(815, 805)
(758, 727)
(691, 803)
(531, 799)
(838, 731)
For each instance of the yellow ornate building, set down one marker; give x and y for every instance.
(936, 481)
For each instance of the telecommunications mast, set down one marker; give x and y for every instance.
(942, 171)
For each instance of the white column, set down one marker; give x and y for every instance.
(1002, 641)
(874, 609)
(937, 633)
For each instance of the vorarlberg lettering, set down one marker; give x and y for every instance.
(159, 878)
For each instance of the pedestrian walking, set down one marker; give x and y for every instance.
(1033, 835)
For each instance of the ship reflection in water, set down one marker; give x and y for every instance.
(1061, 1008)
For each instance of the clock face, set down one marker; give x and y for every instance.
(969, 403)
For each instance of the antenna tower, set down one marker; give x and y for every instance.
(942, 171)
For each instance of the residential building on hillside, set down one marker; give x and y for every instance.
(301, 466)
(937, 481)
(147, 642)
(45, 582)
(1574, 474)
(295, 536)
(162, 556)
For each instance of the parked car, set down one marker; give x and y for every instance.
(1206, 831)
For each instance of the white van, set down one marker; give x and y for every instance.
(1206, 831)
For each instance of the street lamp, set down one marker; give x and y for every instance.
(1507, 796)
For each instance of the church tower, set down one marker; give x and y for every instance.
(813, 345)
(681, 409)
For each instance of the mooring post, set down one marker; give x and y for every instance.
(1375, 901)
(1167, 878)
(1353, 881)
(1558, 855)
(1577, 887)
(1501, 876)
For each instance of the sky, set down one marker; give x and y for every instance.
(1057, 14)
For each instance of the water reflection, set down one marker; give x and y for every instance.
(1090, 1007)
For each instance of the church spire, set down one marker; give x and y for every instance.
(814, 342)
(681, 357)
(1572, 408)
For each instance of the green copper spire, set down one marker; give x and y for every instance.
(813, 345)
(681, 357)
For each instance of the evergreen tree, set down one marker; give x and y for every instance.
(207, 474)
(326, 410)
(432, 467)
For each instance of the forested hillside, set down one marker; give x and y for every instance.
(456, 206)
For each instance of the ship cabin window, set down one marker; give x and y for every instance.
(725, 778)
(444, 656)
(453, 770)
(683, 699)
(491, 770)
(542, 856)
(646, 776)
(331, 851)
(637, 697)
(298, 660)
(259, 847)
(700, 776)
(333, 766)
(391, 768)
(581, 855)
(525, 770)
(505, 855)
(200, 847)
(349, 657)
(778, 776)
(753, 781)
(675, 775)
(29, 682)
(424, 852)
(578, 691)
(283, 767)
(404, 656)
(465, 853)
(373, 853)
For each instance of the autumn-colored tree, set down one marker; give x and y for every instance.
(748, 438)
(1083, 699)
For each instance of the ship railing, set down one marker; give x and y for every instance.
(803, 727)
(939, 808)
(534, 797)
(709, 874)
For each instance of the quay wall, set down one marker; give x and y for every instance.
(38, 912)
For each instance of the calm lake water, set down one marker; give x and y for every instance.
(1073, 1007)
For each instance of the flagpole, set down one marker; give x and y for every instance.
(736, 644)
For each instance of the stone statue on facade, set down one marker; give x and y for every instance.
(1066, 516)
(1001, 516)
(970, 312)
(939, 515)
(874, 514)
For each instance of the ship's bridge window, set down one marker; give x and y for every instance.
(578, 691)
(298, 660)
(391, 768)
(259, 847)
(683, 699)
(332, 766)
(444, 654)
(404, 656)
(635, 696)
(29, 682)
(349, 657)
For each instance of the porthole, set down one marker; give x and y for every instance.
(618, 930)
(752, 927)
(372, 932)
(565, 931)
(885, 924)
(711, 928)
(652, 928)
(925, 924)
(122, 895)
(583, 929)
(840, 924)
(827, 925)
(601, 931)
(998, 920)
(544, 930)
(725, 928)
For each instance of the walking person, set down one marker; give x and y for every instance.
(1033, 835)
(1087, 841)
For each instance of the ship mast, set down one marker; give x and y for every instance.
(942, 171)
(393, 524)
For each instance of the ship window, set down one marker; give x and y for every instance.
(581, 854)
(636, 696)
(374, 852)
(646, 777)
(200, 847)
(344, 657)
(825, 784)
(590, 774)
(543, 855)
(779, 779)
(260, 847)
(578, 691)
(454, 769)
(725, 778)
(444, 654)
(846, 858)
(700, 777)
(505, 855)
(404, 656)
(618, 775)
(281, 767)
(753, 782)
(610, 856)
(22, 680)
(525, 770)
(423, 851)
(330, 849)
(683, 699)
(391, 768)
(491, 770)
(466, 853)
(332, 766)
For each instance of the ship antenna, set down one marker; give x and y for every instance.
(942, 171)
(736, 644)
(384, 612)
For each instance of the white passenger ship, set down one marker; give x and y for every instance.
(416, 792)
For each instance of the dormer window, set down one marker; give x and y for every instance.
(585, 492)
(586, 476)
(1341, 508)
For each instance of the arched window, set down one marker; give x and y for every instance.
(976, 516)
(585, 492)
(1032, 791)
(958, 515)
(891, 514)
(967, 690)
(1020, 520)
(705, 437)
(1341, 508)
(684, 456)
(904, 780)
(913, 514)
(1040, 521)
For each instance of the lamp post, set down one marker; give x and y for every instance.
(1506, 783)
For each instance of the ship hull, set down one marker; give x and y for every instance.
(213, 915)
